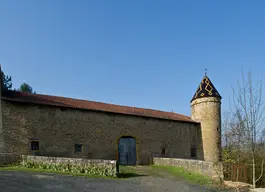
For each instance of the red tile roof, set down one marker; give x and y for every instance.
(91, 105)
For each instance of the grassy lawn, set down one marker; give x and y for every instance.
(164, 171)
(182, 173)
(170, 172)
(194, 178)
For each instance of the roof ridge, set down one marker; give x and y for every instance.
(119, 105)
(92, 105)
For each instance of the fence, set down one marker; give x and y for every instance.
(236, 172)
(242, 172)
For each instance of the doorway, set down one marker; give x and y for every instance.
(127, 150)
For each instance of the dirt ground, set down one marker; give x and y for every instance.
(17, 181)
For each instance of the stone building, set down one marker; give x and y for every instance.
(58, 126)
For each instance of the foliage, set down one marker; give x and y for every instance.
(7, 81)
(228, 156)
(7, 84)
(82, 168)
(24, 87)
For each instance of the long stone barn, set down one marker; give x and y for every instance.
(34, 124)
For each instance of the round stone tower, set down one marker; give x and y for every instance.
(206, 109)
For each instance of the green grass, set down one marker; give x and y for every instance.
(25, 169)
(128, 172)
(186, 175)
(165, 171)
(195, 178)
(176, 172)
(126, 169)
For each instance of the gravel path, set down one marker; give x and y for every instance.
(14, 181)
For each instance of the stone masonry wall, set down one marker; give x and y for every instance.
(208, 112)
(210, 169)
(59, 129)
(6, 159)
(104, 165)
(45, 159)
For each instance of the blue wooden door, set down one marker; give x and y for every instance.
(127, 151)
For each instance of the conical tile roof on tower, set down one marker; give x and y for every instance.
(206, 89)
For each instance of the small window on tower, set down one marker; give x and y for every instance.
(34, 145)
(193, 152)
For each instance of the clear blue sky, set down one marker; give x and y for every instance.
(142, 53)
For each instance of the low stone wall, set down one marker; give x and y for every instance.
(9, 158)
(46, 159)
(90, 166)
(210, 169)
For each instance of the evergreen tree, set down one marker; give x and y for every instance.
(24, 87)
(7, 81)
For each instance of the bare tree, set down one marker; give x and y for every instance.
(233, 140)
(226, 129)
(249, 111)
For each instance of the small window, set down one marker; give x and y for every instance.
(34, 145)
(78, 147)
(193, 152)
(163, 151)
(62, 109)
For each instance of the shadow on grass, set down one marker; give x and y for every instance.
(129, 175)
(128, 172)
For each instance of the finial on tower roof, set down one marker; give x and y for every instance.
(205, 72)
